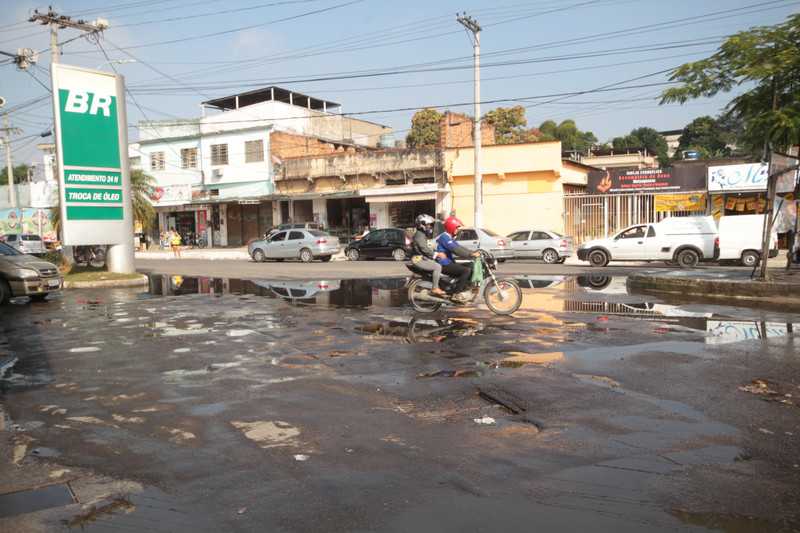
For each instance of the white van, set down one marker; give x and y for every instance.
(740, 239)
(682, 240)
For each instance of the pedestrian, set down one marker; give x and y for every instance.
(175, 243)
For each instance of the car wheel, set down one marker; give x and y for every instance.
(750, 258)
(550, 256)
(352, 254)
(598, 258)
(561, 260)
(398, 254)
(5, 292)
(259, 256)
(501, 260)
(306, 256)
(326, 258)
(38, 297)
(687, 258)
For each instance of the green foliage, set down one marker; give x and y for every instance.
(707, 136)
(766, 58)
(20, 174)
(509, 125)
(568, 133)
(646, 138)
(425, 130)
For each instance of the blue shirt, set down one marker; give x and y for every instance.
(445, 244)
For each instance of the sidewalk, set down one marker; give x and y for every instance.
(209, 254)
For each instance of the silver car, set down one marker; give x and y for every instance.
(302, 244)
(548, 246)
(485, 239)
(27, 243)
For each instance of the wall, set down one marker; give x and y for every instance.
(172, 174)
(456, 130)
(286, 145)
(236, 171)
(163, 130)
(377, 162)
(505, 158)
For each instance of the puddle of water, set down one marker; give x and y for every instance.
(29, 501)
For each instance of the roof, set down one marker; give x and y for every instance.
(670, 132)
(268, 94)
(579, 164)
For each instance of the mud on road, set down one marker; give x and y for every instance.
(224, 404)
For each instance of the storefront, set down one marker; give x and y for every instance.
(398, 207)
(247, 220)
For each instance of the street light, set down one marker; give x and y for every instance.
(116, 61)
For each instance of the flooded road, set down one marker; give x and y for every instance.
(329, 405)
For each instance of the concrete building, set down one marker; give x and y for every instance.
(610, 158)
(673, 138)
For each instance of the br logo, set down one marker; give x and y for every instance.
(83, 102)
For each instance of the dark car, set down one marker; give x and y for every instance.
(388, 243)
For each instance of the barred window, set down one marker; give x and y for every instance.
(157, 161)
(254, 151)
(219, 154)
(188, 157)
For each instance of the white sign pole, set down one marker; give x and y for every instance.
(120, 257)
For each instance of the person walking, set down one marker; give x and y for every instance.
(175, 243)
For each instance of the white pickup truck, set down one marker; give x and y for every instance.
(684, 241)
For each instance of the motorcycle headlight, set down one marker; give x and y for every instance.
(26, 273)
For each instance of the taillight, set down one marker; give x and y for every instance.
(716, 242)
(322, 241)
(408, 241)
(564, 243)
(322, 286)
(501, 243)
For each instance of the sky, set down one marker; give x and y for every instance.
(387, 57)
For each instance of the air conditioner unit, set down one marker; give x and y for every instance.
(216, 173)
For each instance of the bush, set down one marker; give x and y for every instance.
(58, 259)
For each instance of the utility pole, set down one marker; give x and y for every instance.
(56, 21)
(472, 26)
(8, 130)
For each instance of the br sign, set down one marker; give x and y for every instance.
(91, 137)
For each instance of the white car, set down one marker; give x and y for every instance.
(485, 239)
(684, 241)
(27, 243)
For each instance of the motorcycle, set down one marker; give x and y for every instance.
(94, 256)
(502, 296)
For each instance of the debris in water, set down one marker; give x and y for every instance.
(769, 391)
(241, 510)
(269, 434)
(301, 457)
(765, 431)
(485, 421)
(600, 380)
(450, 374)
(119, 503)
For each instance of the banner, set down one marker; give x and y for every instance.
(34, 221)
(734, 178)
(91, 136)
(169, 195)
(668, 203)
(615, 181)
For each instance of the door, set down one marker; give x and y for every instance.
(655, 247)
(293, 244)
(371, 242)
(468, 238)
(275, 245)
(234, 224)
(630, 244)
(519, 243)
(539, 241)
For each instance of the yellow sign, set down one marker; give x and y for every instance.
(680, 202)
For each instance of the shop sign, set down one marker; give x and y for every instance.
(723, 332)
(171, 195)
(727, 178)
(616, 181)
(90, 130)
(668, 203)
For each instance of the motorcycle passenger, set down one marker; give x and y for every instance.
(422, 256)
(447, 246)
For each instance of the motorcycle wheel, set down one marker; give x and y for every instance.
(503, 296)
(415, 289)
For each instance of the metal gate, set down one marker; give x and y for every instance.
(597, 216)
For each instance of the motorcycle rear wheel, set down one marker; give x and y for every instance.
(416, 289)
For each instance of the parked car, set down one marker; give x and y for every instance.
(391, 243)
(27, 243)
(299, 290)
(549, 246)
(26, 275)
(305, 245)
(295, 225)
(740, 239)
(485, 239)
(684, 241)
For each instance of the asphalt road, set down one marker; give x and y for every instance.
(226, 407)
(366, 269)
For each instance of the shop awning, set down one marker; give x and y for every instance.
(401, 197)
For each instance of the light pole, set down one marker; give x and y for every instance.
(472, 25)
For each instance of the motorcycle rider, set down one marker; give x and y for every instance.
(447, 247)
(422, 256)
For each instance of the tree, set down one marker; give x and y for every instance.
(646, 138)
(509, 125)
(425, 130)
(20, 174)
(142, 187)
(765, 58)
(568, 133)
(707, 136)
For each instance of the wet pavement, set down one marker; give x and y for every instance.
(329, 405)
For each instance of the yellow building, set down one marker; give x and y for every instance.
(523, 185)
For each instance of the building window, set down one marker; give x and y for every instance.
(254, 151)
(188, 157)
(135, 161)
(219, 154)
(157, 161)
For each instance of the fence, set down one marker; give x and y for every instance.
(597, 216)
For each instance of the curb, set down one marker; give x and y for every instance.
(141, 281)
(716, 288)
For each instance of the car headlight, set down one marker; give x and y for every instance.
(26, 273)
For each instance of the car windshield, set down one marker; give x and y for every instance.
(31, 238)
(316, 233)
(8, 250)
(489, 232)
